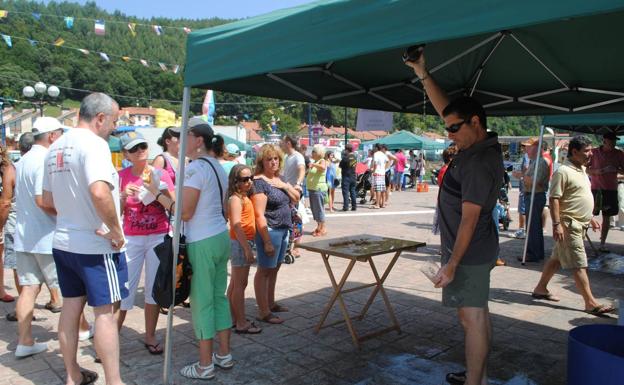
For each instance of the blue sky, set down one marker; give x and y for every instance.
(194, 9)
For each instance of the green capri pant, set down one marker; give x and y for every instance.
(210, 307)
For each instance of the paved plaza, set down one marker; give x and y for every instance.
(530, 337)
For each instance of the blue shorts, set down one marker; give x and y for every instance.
(521, 207)
(279, 239)
(102, 278)
(237, 255)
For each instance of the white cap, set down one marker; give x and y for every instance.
(46, 124)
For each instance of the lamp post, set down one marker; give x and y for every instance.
(40, 89)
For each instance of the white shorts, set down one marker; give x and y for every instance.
(35, 269)
(139, 250)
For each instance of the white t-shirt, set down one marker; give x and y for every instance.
(291, 167)
(75, 161)
(207, 221)
(379, 160)
(34, 229)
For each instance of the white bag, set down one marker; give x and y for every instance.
(301, 210)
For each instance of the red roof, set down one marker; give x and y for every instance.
(138, 111)
(253, 125)
(433, 135)
(379, 133)
(253, 136)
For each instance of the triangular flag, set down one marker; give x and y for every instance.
(36, 15)
(186, 30)
(125, 58)
(7, 40)
(100, 27)
(158, 29)
(3, 13)
(84, 51)
(69, 22)
(162, 66)
(132, 28)
(59, 42)
(144, 62)
(104, 56)
(32, 42)
(176, 68)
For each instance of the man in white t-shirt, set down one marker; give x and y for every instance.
(33, 235)
(82, 185)
(379, 165)
(294, 173)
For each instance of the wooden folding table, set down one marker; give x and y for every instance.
(359, 248)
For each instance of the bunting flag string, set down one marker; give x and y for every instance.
(69, 21)
(60, 43)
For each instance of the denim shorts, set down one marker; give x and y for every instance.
(279, 239)
(237, 255)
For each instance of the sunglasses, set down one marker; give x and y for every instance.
(140, 146)
(453, 128)
(244, 179)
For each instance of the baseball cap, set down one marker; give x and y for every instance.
(45, 124)
(611, 136)
(200, 126)
(131, 139)
(530, 141)
(232, 149)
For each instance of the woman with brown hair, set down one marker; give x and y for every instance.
(273, 200)
(7, 219)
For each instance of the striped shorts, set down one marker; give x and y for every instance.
(102, 278)
(379, 182)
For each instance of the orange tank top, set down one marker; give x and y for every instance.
(248, 221)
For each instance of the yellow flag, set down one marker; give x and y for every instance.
(132, 28)
(59, 42)
(3, 13)
(125, 58)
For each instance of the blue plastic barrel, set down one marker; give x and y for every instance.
(596, 355)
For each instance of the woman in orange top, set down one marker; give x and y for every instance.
(242, 234)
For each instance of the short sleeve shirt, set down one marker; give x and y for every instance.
(601, 159)
(570, 184)
(543, 175)
(73, 163)
(379, 162)
(475, 175)
(277, 212)
(291, 167)
(400, 163)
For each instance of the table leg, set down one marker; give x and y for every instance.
(337, 296)
(379, 283)
(385, 296)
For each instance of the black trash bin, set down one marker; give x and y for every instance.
(596, 355)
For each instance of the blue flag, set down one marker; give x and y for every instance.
(69, 22)
(7, 40)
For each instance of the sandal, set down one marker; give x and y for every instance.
(457, 378)
(600, 310)
(276, 308)
(12, 316)
(88, 377)
(270, 319)
(547, 297)
(197, 371)
(155, 349)
(7, 298)
(53, 308)
(250, 329)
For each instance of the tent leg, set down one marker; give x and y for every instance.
(186, 103)
(528, 219)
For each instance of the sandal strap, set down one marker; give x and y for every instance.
(191, 371)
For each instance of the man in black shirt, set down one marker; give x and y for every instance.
(468, 235)
(347, 165)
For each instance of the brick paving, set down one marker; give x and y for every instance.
(530, 337)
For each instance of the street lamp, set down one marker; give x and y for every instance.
(41, 89)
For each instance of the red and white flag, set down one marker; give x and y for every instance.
(100, 27)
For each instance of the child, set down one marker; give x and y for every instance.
(242, 233)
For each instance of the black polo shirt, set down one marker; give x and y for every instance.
(475, 175)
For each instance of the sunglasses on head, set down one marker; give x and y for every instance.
(244, 179)
(140, 146)
(453, 128)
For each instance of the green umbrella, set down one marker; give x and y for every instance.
(517, 57)
(407, 141)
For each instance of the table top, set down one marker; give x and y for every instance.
(361, 246)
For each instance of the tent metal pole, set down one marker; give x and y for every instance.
(587, 107)
(290, 85)
(536, 168)
(534, 56)
(186, 104)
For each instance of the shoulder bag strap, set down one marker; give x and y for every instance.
(219, 183)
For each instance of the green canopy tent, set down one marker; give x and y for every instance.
(407, 141)
(114, 144)
(241, 146)
(588, 123)
(528, 57)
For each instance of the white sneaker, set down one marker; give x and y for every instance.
(87, 334)
(520, 234)
(224, 362)
(28, 350)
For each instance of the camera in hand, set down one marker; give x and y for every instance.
(413, 53)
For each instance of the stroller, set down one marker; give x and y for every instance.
(363, 185)
(503, 200)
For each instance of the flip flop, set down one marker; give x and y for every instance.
(277, 308)
(457, 378)
(153, 349)
(53, 308)
(88, 377)
(13, 317)
(600, 310)
(7, 298)
(250, 329)
(547, 297)
(270, 319)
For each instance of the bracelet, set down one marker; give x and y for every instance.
(158, 195)
(424, 77)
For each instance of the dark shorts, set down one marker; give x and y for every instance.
(605, 201)
(470, 287)
(102, 278)
(521, 208)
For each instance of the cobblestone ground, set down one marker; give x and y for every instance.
(530, 337)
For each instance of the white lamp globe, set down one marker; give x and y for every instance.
(54, 91)
(40, 87)
(28, 92)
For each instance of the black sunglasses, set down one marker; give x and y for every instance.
(244, 179)
(453, 128)
(140, 146)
